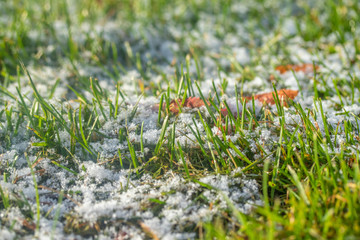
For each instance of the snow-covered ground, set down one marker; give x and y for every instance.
(103, 202)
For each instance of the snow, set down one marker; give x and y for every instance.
(101, 192)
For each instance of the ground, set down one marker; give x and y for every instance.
(179, 119)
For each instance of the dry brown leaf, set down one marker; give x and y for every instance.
(306, 68)
(267, 98)
(190, 102)
(147, 230)
(224, 112)
(29, 225)
(284, 96)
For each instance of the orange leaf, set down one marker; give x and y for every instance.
(224, 112)
(306, 68)
(267, 98)
(191, 102)
(284, 95)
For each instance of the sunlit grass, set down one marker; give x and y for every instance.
(310, 182)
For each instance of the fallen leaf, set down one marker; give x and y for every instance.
(224, 112)
(147, 230)
(284, 96)
(29, 225)
(267, 98)
(306, 68)
(190, 102)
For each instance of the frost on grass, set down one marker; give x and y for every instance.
(167, 206)
(146, 57)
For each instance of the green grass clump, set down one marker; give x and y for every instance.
(307, 164)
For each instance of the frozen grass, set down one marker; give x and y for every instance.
(89, 147)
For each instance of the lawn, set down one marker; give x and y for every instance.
(155, 119)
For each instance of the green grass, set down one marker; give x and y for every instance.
(310, 183)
